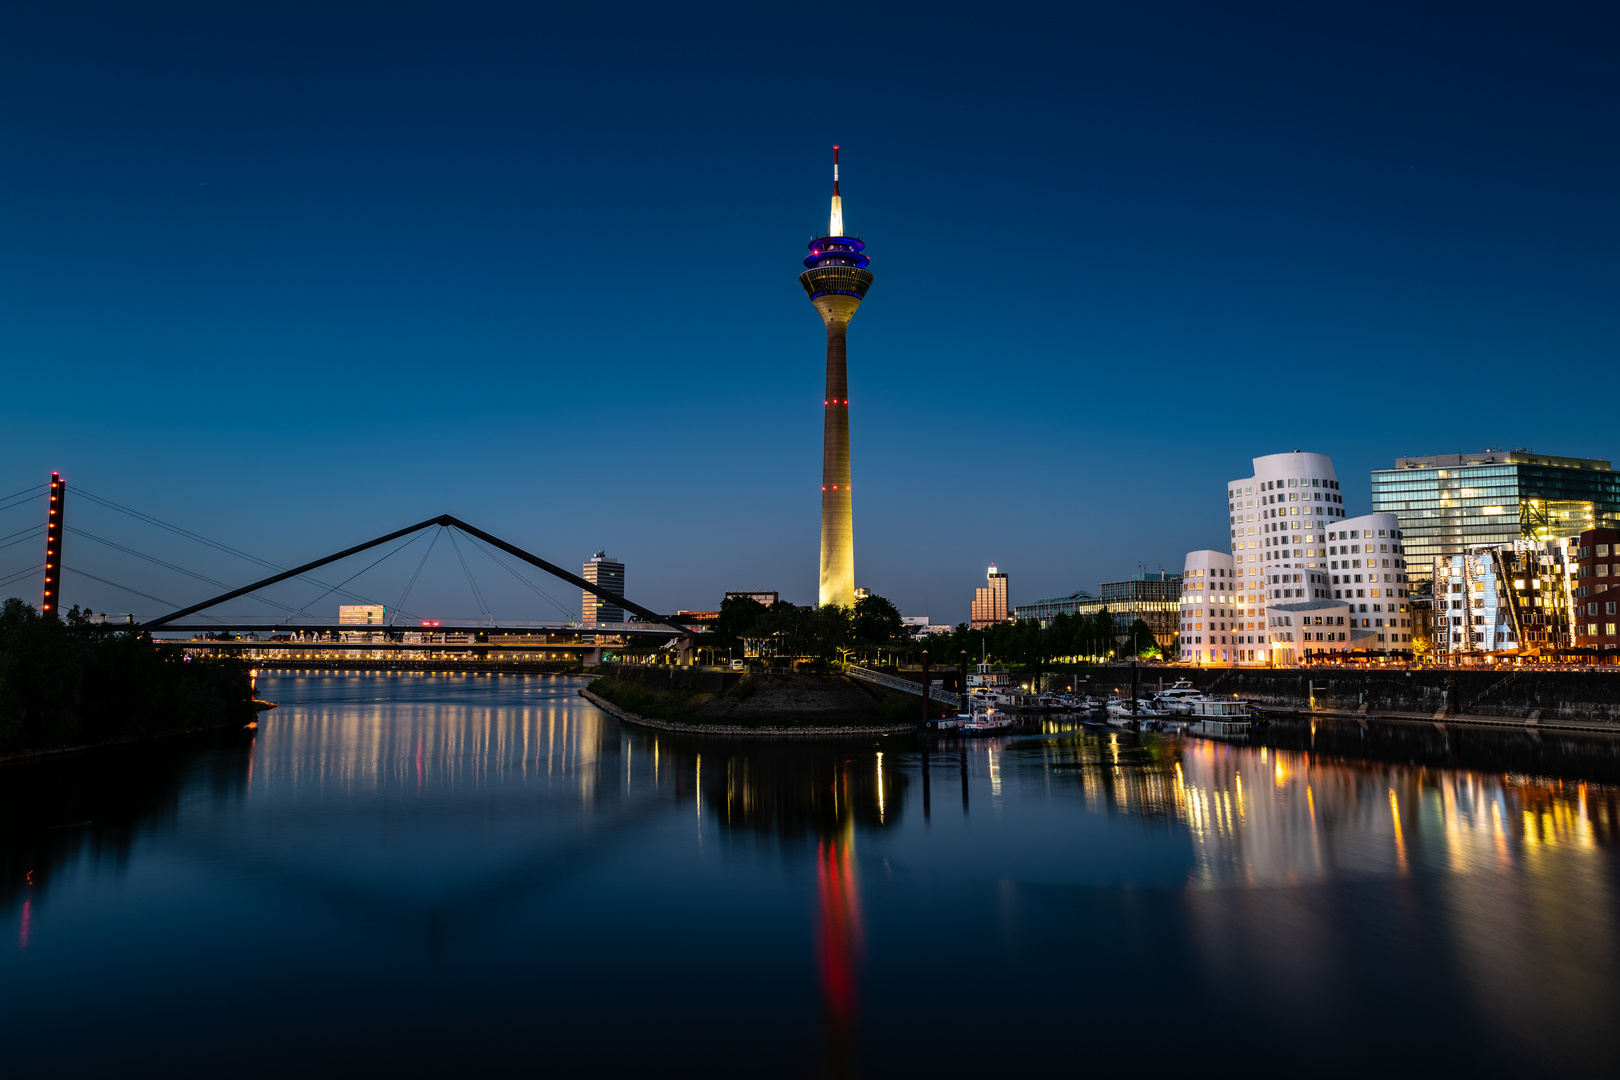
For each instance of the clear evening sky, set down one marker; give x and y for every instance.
(294, 275)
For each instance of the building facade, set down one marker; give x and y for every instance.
(1291, 543)
(990, 600)
(1152, 597)
(764, 596)
(1048, 608)
(1596, 580)
(606, 574)
(1503, 598)
(1449, 503)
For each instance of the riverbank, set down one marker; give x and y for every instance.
(744, 727)
(1573, 700)
(21, 756)
(67, 684)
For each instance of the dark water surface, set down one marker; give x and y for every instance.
(414, 875)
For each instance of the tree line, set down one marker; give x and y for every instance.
(68, 681)
(872, 631)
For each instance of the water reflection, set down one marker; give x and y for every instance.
(839, 946)
(59, 811)
(490, 865)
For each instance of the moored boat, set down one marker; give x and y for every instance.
(1218, 719)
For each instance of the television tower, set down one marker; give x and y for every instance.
(836, 281)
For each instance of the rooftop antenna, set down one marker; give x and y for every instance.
(835, 223)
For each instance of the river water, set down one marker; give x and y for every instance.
(456, 875)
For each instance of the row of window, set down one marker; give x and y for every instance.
(1278, 485)
(1293, 496)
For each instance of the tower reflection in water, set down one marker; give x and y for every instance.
(797, 796)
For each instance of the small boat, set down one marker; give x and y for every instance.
(1216, 719)
(984, 720)
(1123, 709)
(1180, 697)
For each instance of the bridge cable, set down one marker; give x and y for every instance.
(9, 505)
(482, 605)
(30, 530)
(176, 569)
(399, 607)
(24, 491)
(567, 612)
(188, 534)
(114, 584)
(305, 609)
(23, 574)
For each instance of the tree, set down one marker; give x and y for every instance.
(738, 617)
(1102, 633)
(1141, 641)
(876, 621)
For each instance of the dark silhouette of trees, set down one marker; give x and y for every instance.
(68, 681)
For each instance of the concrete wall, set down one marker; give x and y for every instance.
(1559, 695)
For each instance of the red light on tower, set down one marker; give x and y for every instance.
(53, 547)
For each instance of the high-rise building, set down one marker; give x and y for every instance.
(606, 574)
(1295, 561)
(1448, 503)
(990, 600)
(836, 279)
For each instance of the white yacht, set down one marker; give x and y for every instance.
(1180, 697)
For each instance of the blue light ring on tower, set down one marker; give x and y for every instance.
(846, 280)
(837, 251)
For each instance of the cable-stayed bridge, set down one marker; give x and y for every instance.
(310, 628)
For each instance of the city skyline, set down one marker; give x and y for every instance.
(236, 258)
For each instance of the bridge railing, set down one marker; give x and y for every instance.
(894, 682)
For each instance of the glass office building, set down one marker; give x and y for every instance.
(1451, 502)
(1153, 597)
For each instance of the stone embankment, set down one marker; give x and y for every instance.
(734, 731)
(1586, 700)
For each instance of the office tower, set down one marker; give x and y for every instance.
(1295, 561)
(990, 600)
(836, 279)
(1448, 503)
(606, 574)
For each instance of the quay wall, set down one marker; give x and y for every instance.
(1588, 697)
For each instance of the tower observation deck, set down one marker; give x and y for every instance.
(836, 279)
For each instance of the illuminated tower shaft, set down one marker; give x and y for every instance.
(836, 281)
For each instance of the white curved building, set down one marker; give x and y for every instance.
(1298, 571)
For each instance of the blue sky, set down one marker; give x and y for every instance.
(293, 275)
